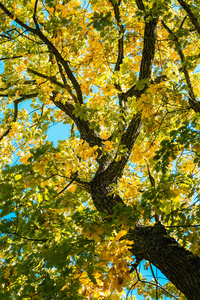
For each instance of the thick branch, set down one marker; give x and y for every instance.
(179, 265)
(151, 243)
(140, 4)
(12, 16)
(133, 91)
(120, 57)
(121, 36)
(34, 15)
(192, 17)
(150, 34)
(86, 133)
(129, 137)
(115, 169)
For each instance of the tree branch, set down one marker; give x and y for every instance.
(12, 16)
(16, 102)
(153, 244)
(28, 239)
(121, 36)
(150, 34)
(120, 57)
(14, 57)
(195, 105)
(192, 17)
(68, 88)
(140, 4)
(34, 16)
(86, 133)
(133, 91)
(57, 54)
(114, 170)
(157, 285)
(52, 79)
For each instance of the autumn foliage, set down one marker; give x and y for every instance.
(82, 218)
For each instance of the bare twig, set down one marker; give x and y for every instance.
(13, 57)
(160, 287)
(66, 187)
(25, 238)
(181, 26)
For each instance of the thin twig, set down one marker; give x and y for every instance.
(192, 17)
(25, 238)
(195, 105)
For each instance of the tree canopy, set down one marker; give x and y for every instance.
(78, 218)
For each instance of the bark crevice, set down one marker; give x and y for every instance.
(178, 264)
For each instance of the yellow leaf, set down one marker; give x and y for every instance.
(77, 274)
(177, 198)
(72, 188)
(39, 167)
(113, 297)
(96, 237)
(196, 147)
(39, 197)
(24, 159)
(17, 177)
(7, 273)
(120, 234)
(108, 145)
(58, 237)
(96, 294)
(99, 230)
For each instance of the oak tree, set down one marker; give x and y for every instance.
(78, 218)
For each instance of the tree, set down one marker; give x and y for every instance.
(78, 218)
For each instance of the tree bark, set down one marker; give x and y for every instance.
(153, 244)
(179, 265)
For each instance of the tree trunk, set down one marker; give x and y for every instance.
(179, 265)
(153, 244)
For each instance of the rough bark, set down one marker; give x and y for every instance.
(179, 265)
(153, 244)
